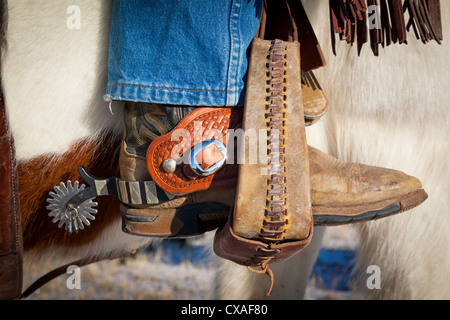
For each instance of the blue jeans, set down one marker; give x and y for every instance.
(188, 52)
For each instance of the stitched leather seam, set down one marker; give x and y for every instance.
(275, 221)
(12, 177)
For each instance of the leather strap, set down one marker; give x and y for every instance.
(425, 18)
(434, 10)
(275, 188)
(271, 27)
(10, 227)
(200, 125)
(272, 217)
(349, 20)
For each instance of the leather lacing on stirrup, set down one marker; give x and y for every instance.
(280, 224)
(265, 270)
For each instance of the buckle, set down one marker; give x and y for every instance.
(207, 157)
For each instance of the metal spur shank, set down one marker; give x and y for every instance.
(72, 205)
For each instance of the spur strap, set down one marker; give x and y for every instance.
(176, 160)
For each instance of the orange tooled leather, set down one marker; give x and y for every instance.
(200, 125)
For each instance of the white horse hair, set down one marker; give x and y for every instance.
(392, 111)
(389, 111)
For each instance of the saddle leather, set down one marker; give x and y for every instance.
(273, 201)
(10, 228)
(311, 55)
(250, 252)
(272, 217)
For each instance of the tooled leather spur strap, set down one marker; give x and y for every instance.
(272, 219)
(10, 228)
(200, 125)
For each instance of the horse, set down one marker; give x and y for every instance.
(388, 111)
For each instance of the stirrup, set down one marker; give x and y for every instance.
(272, 218)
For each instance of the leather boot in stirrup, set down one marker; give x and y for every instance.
(341, 192)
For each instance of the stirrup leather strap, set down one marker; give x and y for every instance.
(10, 227)
(272, 217)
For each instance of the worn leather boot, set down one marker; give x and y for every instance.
(344, 192)
(341, 192)
(144, 122)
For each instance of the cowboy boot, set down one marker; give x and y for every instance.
(180, 216)
(344, 192)
(341, 192)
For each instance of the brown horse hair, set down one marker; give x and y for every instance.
(39, 175)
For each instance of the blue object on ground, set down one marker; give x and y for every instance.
(333, 269)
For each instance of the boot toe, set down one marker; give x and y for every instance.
(344, 192)
(388, 183)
